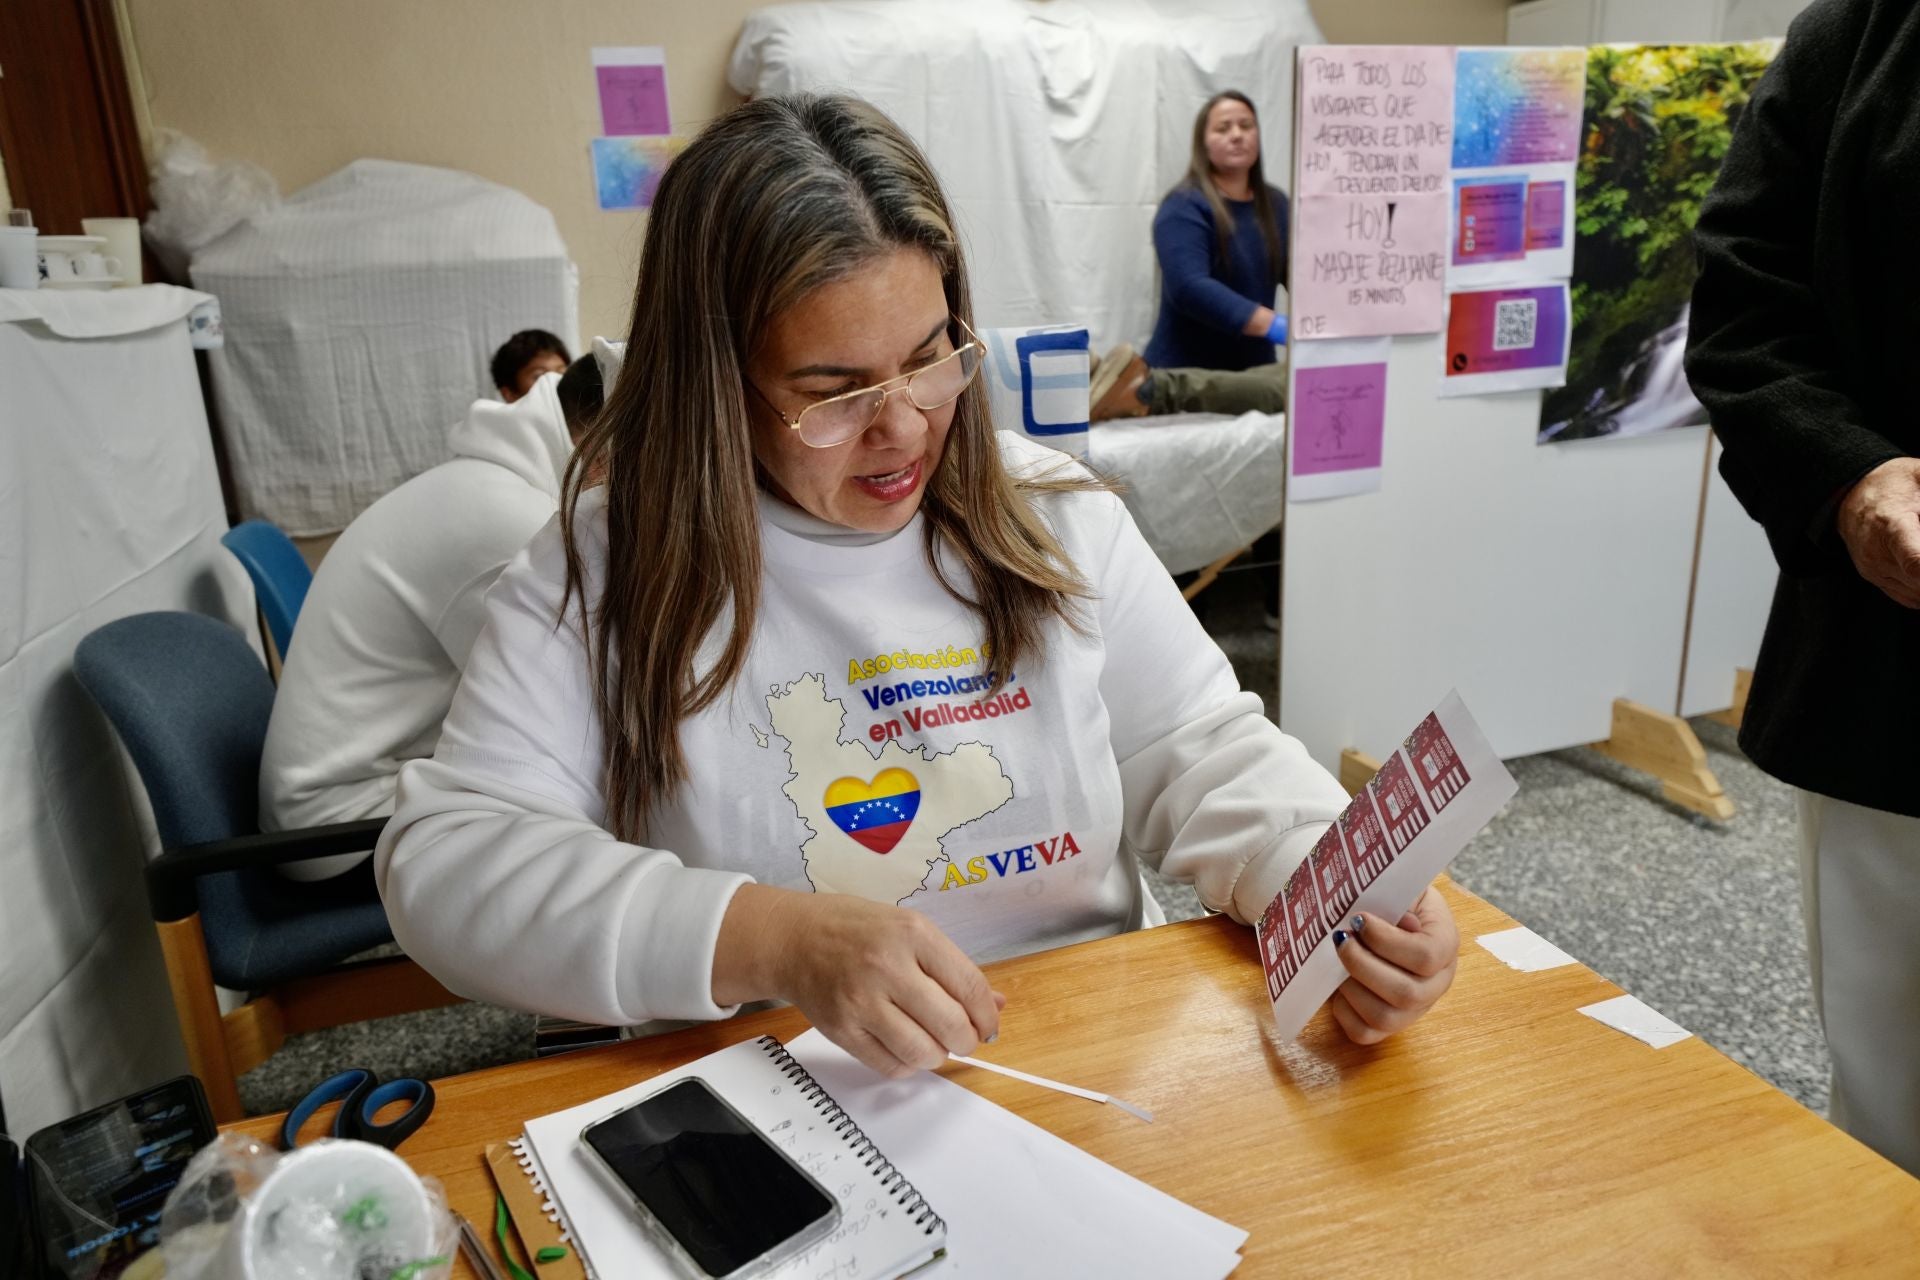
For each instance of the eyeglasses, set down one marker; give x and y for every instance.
(832, 422)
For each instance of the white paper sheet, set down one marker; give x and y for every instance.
(1017, 1200)
(1639, 1020)
(1430, 797)
(1525, 950)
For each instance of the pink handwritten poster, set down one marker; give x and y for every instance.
(1370, 214)
(1337, 418)
(1375, 120)
(633, 90)
(1368, 267)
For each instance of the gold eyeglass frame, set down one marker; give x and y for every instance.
(886, 389)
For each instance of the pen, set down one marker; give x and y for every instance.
(476, 1251)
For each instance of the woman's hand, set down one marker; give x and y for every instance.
(882, 982)
(1397, 971)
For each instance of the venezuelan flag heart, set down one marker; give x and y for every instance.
(875, 813)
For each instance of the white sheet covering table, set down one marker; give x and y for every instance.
(111, 506)
(1199, 485)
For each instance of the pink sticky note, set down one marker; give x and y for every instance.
(1369, 266)
(633, 94)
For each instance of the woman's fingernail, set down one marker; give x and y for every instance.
(1339, 937)
(995, 1036)
(1359, 923)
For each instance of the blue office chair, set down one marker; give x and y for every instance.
(190, 700)
(279, 572)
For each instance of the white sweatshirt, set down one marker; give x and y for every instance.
(857, 753)
(392, 613)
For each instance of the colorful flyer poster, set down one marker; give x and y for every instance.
(1510, 226)
(1370, 217)
(1517, 106)
(1512, 339)
(1489, 220)
(627, 171)
(633, 90)
(1338, 418)
(1433, 795)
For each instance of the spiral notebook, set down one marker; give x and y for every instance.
(1013, 1200)
(886, 1228)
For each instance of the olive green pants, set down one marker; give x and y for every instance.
(1261, 389)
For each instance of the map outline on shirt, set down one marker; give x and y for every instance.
(957, 787)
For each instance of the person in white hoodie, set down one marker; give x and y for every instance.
(396, 606)
(817, 689)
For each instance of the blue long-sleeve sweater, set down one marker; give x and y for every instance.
(1204, 302)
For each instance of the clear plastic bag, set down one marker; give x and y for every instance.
(332, 1210)
(197, 200)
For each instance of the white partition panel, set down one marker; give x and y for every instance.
(1737, 573)
(1541, 581)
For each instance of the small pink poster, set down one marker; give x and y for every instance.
(633, 91)
(1337, 418)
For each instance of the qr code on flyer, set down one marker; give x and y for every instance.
(1514, 323)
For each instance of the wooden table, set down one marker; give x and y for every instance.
(1505, 1134)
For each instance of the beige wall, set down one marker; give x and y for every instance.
(502, 88)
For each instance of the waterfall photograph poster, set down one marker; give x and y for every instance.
(1657, 122)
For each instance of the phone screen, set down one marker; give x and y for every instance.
(100, 1179)
(712, 1180)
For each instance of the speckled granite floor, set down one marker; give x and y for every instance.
(1700, 921)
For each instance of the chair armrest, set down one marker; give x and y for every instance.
(171, 876)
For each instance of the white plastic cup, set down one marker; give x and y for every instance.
(19, 258)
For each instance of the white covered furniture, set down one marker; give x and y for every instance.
(111, 506)
(360, 317)
(1055, 125)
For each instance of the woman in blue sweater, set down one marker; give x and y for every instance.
(1221, 238)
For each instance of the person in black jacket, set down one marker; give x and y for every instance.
(1804, 340)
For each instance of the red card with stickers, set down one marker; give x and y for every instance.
(1431, 796)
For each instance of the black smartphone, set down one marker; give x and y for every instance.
(98, 1181)
(711, 1189)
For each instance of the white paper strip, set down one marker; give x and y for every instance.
(1045, 1083)
(1639, 1020)
(1525, 950)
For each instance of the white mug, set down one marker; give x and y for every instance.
(19, 259)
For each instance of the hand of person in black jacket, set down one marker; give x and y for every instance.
(1879, 520)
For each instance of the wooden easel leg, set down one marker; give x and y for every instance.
(1356, 770)
(1210, 573)
(1733, 715)
(1665, 746)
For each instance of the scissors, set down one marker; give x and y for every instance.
(361, 1094)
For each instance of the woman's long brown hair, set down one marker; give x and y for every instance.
(770, 202)
(1200, 178)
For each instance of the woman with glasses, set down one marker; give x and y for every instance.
(826, 692)
(1221, 240)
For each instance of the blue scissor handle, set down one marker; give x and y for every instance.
(351, 1085)
(392, 1134)
(361, 1095)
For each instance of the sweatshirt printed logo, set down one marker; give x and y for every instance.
(913, 797)
(875, 813)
